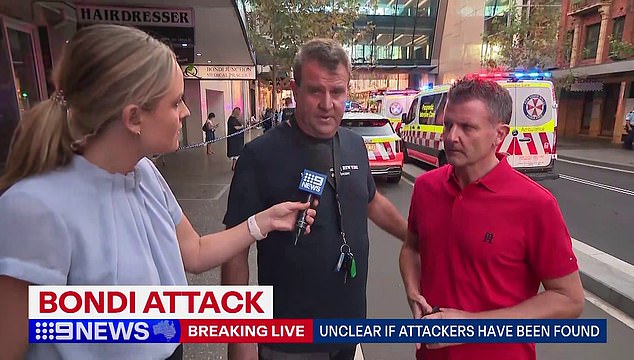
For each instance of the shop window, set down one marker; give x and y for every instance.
(617, 33)
(586, 118)
(592, 41)
(568, 46)
(24, 68)
(9, 114)
(21, 85)
(617, 28)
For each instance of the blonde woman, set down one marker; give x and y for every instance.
(84, 206)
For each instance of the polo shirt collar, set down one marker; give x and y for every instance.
(494, 180)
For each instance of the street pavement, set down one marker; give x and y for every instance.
(595, 215)
(598, 206)
(595, 151)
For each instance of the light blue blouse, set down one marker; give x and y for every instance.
(80, 225)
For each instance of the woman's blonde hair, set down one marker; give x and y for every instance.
(103, 69)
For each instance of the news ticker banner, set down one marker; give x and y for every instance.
(222, 314)
(318, 331)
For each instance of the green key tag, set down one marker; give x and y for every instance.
(353, 268)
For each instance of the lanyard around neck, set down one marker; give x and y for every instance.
(335, 182)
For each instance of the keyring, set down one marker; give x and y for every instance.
(342, 247)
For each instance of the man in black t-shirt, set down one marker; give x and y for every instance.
(269, 170)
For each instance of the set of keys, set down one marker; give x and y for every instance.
(346, 263)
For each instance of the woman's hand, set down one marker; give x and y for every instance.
(283, 216)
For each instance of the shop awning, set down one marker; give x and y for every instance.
(220, 33)
(612, 68)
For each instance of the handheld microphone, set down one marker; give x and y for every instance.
(313, 183)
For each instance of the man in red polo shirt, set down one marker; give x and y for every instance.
(482, 237)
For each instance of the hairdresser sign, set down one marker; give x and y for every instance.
(173, 26)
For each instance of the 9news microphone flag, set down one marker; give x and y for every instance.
(313, 183)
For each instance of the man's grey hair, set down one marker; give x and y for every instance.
(327, 52)
(496, 98)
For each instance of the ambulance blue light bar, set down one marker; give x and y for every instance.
(542, 75)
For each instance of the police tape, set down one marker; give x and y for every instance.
(192, 146)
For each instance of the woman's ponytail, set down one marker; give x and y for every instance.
(41, 141)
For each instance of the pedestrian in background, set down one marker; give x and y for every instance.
(629, 128)
(235, 142)
(288, 112)
(210, 132)
(83, 203)
(268, 119)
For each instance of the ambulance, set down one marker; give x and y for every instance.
(391, 104)
(530, 146)
(384, 146)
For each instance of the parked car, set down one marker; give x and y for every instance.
(385, 147)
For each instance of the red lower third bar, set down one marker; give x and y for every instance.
(247, 331)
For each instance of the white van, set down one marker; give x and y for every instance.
(531, 144)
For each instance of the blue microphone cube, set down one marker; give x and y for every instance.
(313, 182)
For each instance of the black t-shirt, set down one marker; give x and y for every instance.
(305, 284)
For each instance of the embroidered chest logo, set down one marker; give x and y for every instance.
(346, 169)
(488, 237)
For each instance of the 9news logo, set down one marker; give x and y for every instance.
(108, 331)
(45, 331)
(312, 182)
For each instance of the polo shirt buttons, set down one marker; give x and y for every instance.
(460, 196)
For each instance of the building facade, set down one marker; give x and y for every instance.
(397, 44)
(596, 50)
(413, 43)
(211, 35)
(462, 47)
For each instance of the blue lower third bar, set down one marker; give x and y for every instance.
(459, 331)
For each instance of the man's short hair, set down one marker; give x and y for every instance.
(496, 98)
(327, 52)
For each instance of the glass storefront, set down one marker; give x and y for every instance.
(21, 85)
(24, 68)
(395, 32)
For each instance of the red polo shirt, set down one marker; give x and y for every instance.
(486, 247)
